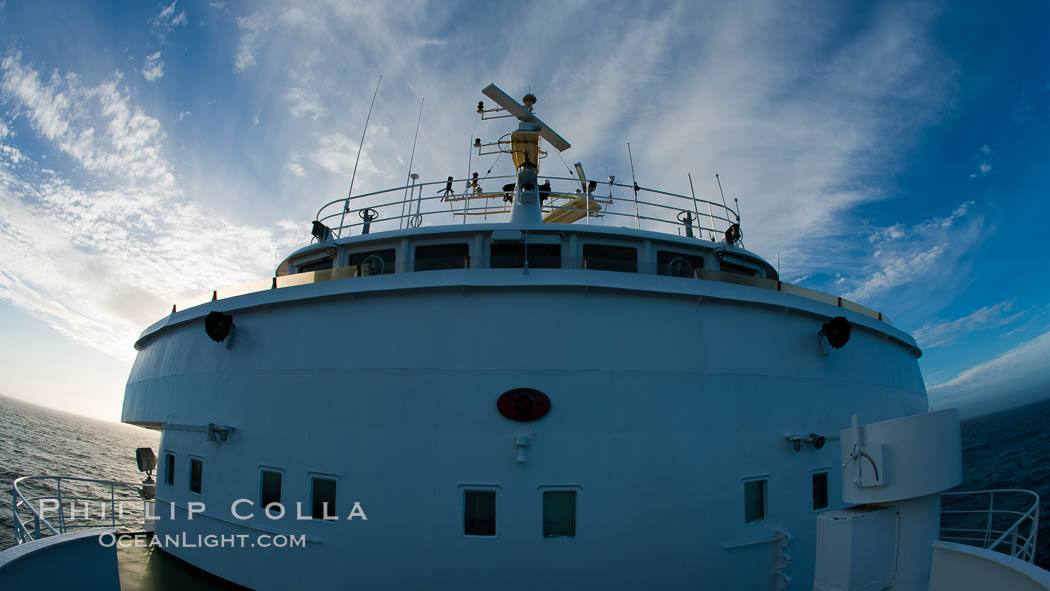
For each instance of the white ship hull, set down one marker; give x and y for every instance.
(666, 393)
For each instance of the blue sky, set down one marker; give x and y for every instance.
(892, 153)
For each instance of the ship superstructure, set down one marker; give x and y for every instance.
(459, 386)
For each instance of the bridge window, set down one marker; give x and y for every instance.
(322, 264)
(169, 468)
(479, 512)
(754, 500)
(442, 256)
(736, 269)
(323, 497)
(196, 474)
(820, 490)
(610, 258)
(511, 255)
(559, 514)
(379, 262)
(271, 488)
(676, 264)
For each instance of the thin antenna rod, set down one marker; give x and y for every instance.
(411, 159)
(723, 196)
(635, 181)
(696, 210)
(466, 192)
(360, 147)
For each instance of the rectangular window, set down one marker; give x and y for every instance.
(196, 474)
(271, 488)
(316, 265)
(677, 264)
(479, 512)
(512, 256)
(559, 514)
(754, 500)
(324, 498)
(736, 269)
(820, 490)
(610, 258)
(169, 468)
(442, 256)
(380, 262)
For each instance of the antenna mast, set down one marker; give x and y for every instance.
(411, 159)
(360, 147)
(726, 206)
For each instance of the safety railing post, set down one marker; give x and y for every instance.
(61, 513)
(14, 513)
(36, 526)
(988, 524)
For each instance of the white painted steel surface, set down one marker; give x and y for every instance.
(667, 393)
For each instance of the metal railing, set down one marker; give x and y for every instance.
(82, 495)
(566, 203)
(1005, 520)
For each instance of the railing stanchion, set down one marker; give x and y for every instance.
(61, 513)
(14, 512)
(988, 523)
(36, 526)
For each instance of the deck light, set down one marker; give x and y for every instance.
(218, 325)
(837, 331)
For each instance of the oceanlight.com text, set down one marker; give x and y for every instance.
(184, 540)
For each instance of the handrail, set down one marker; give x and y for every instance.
(41, 527)
(1017, 538)
(717, 218)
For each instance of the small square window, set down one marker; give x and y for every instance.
(559, 514)
(754, 500)
(820, 490)
(324, 499)
(196, 474)
(169, 468)
(479, 512)
(271, 488)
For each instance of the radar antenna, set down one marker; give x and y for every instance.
(524, 149)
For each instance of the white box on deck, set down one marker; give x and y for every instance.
(856, 549)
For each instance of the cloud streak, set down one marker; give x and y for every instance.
(1017, 376)
(153, 67)
(938, 334)
(101, 258)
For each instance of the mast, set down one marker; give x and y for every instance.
(525, 151)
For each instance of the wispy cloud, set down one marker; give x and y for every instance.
(937, 334)
(1014, 377)
(902, 255)
(153, 67)
(167, 20)
(983, 158)
(251, 27)
(101, 258)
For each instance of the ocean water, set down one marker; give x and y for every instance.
(1010, 449)
(36, 440)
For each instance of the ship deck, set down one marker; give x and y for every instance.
(152, 569)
